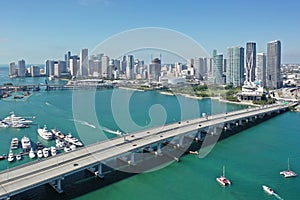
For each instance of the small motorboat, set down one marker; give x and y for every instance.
(31, 154)
(18, 157)
(40, 153)
(268, 190)
(45, 152)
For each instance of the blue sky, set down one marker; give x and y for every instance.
(38, 30)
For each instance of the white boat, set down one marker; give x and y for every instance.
(3, 124)
(14, 144)
(69, 138)
(45, 152)
(60, 143)
(44, 133)
(26, 144)
(288, 173)
(31, 153)
(58, 133)
(268, 190)
(73, 147)
(18, 157)
(40, 153)
(53, 150)
(67, 149)
(10, 157)
(12, 118)
(223, 180)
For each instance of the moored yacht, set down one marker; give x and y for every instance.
(26, 144)
(40, 153)
(45, 152)
(69, 138)
(223, 180)
(10, 157)
(268, 190)
(44, 133)
(288, 173)
(53, 151)
(13, 119)
(31, 153)
(14, 144)
(18, 156)
(58, 133)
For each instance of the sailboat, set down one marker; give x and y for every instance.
(222, 179)
(288, 173)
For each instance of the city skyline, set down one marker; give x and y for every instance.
(37, 31)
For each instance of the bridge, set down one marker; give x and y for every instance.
(126, 149)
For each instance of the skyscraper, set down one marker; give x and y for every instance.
(273, 79)
(260, 72)
(235, 66)
(22, 69)
(129, 67)
(12, 69)
(154, 69)
(84, 62)
(105, 66)
(216, 76)
(250, 61)
(73, 67)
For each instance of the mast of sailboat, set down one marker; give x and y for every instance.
(289, 164)
(223, 171)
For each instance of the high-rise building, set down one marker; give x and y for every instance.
(105, 66)
(84, 62)
(235, 66)
(22, 69)
(98, 67)
(216, 75)
(129, 67)
(154, 69)
(59, 68)
(73, 67)
(35, 71)
(49, 68)
(250, 61)
(260, 72)
(12, 69)
(273, 79)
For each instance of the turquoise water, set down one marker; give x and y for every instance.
(252, 157)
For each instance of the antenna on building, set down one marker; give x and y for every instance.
(160, 57)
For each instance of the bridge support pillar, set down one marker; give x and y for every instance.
(99, 173)
(228, 126)
(131, 161)
(158, 151)
(56, 184)
(240, 122)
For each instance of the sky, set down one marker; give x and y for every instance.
(37, 30)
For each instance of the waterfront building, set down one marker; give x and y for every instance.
(73, 65)
(105, 66)
(250, 61)
(216, 75)
(123, 65)
(129, 67)
(35, 71)
(154, 69)
(97, 68)
(22, 69)
(60, 67)
(83, 67)
(273, 78)
(49, 68)
(235, 66)
(260, 72)
(12, 69)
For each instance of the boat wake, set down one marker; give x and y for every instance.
(111, 131)
(48, 104)
(84, 123)
(277, 196)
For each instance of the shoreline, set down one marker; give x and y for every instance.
(128, 88)
(214, 98)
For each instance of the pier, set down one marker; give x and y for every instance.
(169, 141)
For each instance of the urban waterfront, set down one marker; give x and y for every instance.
(252, 158)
